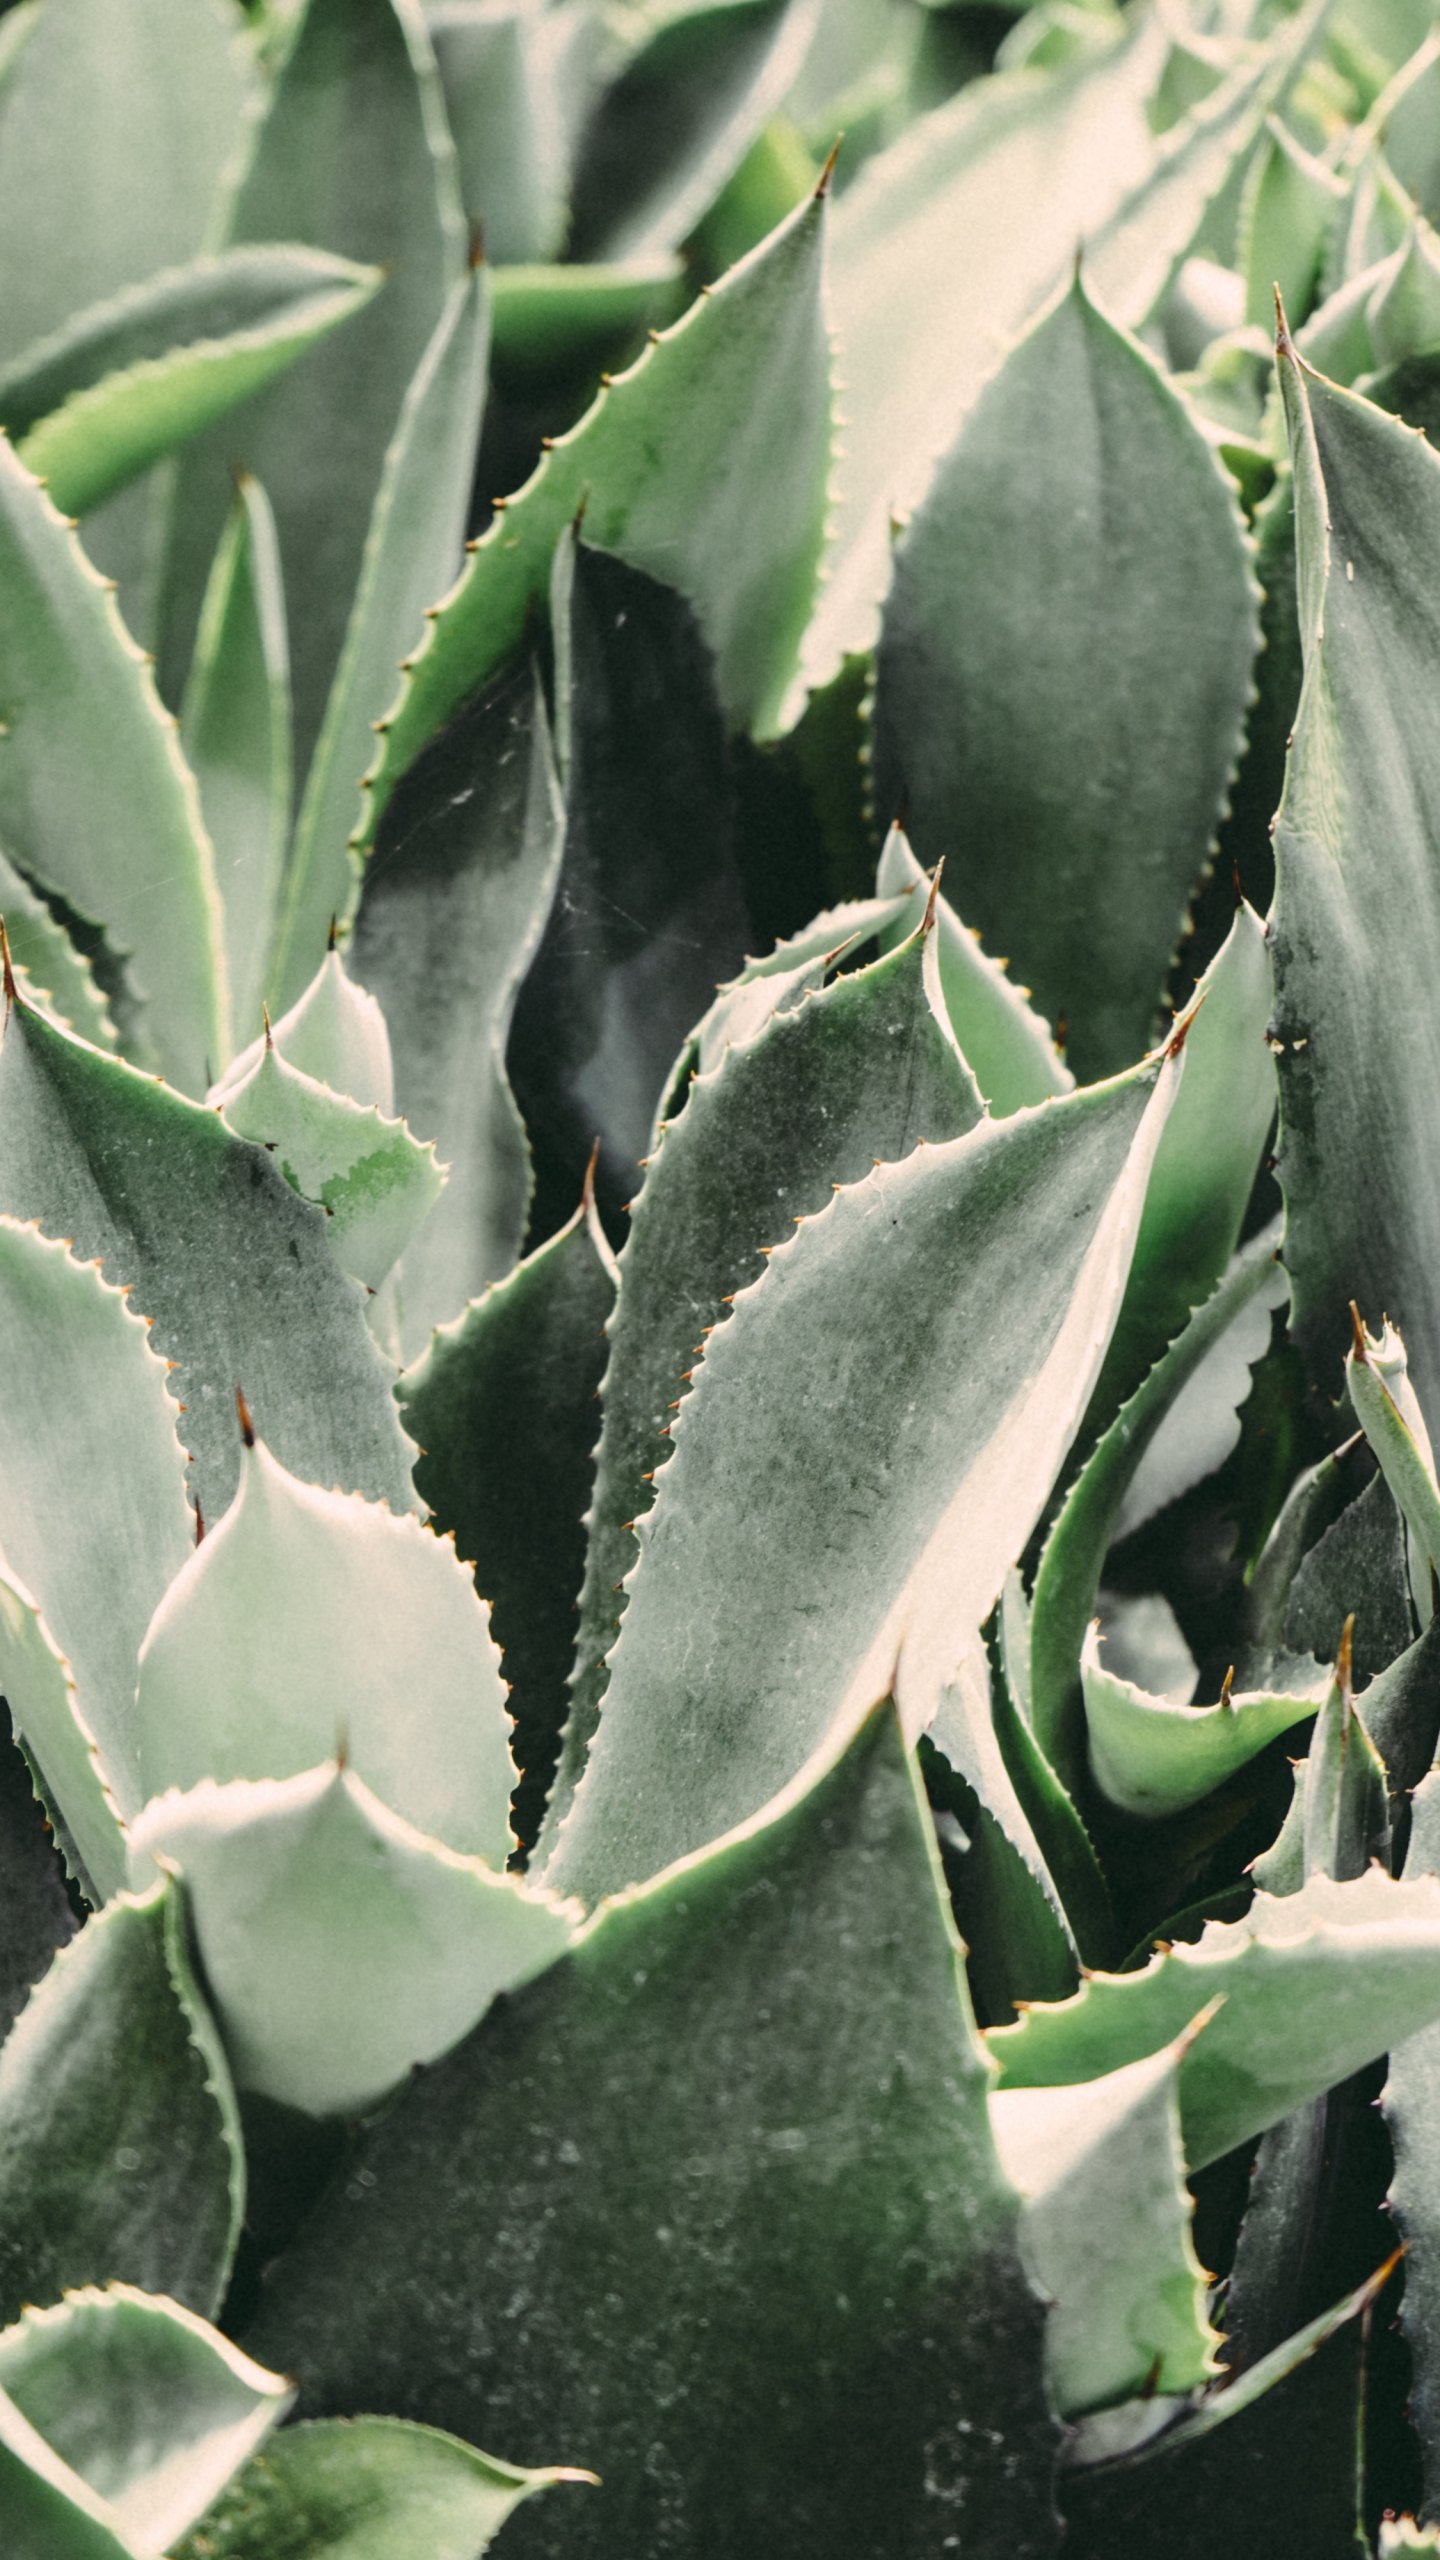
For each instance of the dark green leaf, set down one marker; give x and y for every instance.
(363, 2489)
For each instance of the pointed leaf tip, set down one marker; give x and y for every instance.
(11, 990)
(242, 1415)
(1360, 1351)
(1284, 343)
(822, 185)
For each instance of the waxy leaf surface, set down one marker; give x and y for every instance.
(364, 2489)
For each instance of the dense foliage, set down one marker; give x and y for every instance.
(723, 1669)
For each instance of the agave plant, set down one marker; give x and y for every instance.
(724, 1669)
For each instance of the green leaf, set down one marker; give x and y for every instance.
(121, 386)
(1388, 1411)
(740, 2132)
(1411, 2104)
(93, 1526)
(311, 1622)
(231, 1266)
(413, 549)
(1079, 499)
(1008, 1048)
(454, 901)
(1356, 927)
(897, 1532)
(1314, 1983)
(374, 1181)
(666, 135)
(116, 127)
(341, 1946)
(53, 974)
(35, 1914)
(1152, 1756)
(1357, 1569)
(1068, 1578)
(859, 1073)
(46, 2512)
(120, 2155)
(147, 2405)
(365, 2489)
(334, 1033)
(504, 1406)
(705, 464)
(235, 730)
(1103, 2177)
(1290, 208)
(549, 318)
(649, 911)
(355, 94)
(1272, 2463)
(1076, 149)
(95, 799)
(506, 98)
(1346, 1815)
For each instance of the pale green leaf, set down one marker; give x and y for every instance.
(351, 155)
(1387, 1409)
(1082, 504)
(120, 2153)
(373, 1180)
(341, 1946)
(308, 1623)
(1008, 1048)
(1356, 927)
(1411, 2103)
(95, 799)
(454, 902)
(53, 973)
(117, 124)
(235, 730)
(95, 405)
(144, 2402)
(1106, 2232)
(505, 1407)
(864, 1071)
(1153, 1757)
(738, 2134)
(502, 73)
(1203, 1424)
(1314, 1985)
(413, 549)
(230, 1264)
(548, 320)
(334, 1033)
(1290, 207)
(705, 464)
(365, 2489)
(93, 1524)
(899, 1530)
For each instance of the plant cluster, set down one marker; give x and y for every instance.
(724, 1669)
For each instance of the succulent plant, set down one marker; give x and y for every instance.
(719, 1619)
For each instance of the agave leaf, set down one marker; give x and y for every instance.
(1153, 1757)
(1411, 2096)
(116, 126)
(1007, 1047)
(53, 973)
(235, 730)
(664, 137)
(373, 1180)
(897, 1533)
(46, 2511)
(549, 318)
(649, 911)
(35, 1914)
(1402, 1711)
(705, 464)
(1075, 147)
(1278, 2455)
(455, 898)
(231, 1266)
(1401, 2539)
(1103, 2177)
(149, 2406)
(1358, 1569)
(1290, 207)
(1404, 113)
(334, 1033)
(1315, 1984)
(93, 1526)
(502, 74)
(120, 2153)
(365, 2489)
(310, 1622)
(1068, 1577)
(96, 801)
(504, 1406)
(1388, 1412)
(1356, 930)
(824, 2147)
(94, 406)
(978, 721)
(1203, 1424)
(356, 93)
(1346, 1814)
(341, 1946)
(860, 1073)
(414, 546)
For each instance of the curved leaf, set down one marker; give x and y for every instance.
(1152, 1756)
(365, 2489)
